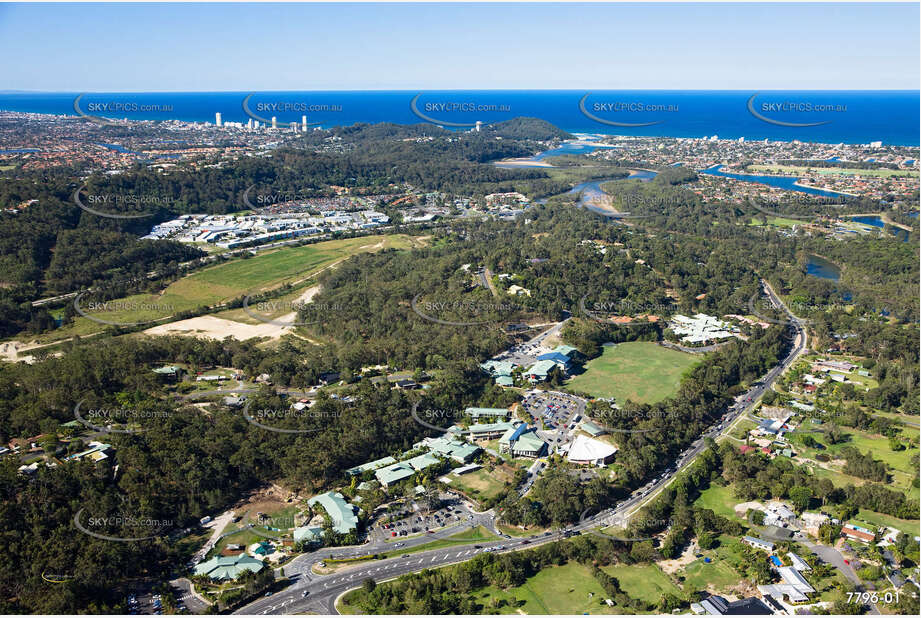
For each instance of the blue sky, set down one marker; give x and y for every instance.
(239, 47)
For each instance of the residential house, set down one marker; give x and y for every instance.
(858, 533)
(758, 543)
(716, 605)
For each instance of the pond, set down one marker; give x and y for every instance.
(820, 267)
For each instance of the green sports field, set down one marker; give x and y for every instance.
(639, 370)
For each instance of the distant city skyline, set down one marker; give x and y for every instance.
(273, 47)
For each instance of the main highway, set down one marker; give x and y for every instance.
(312, 593)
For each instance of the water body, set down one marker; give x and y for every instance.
(592, 189)
(569, 148)
(887, 116)
(123, 150)
(876, 221)
(822, 268)
(781, 182)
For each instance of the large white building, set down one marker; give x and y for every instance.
(590, 452)
(701, 328)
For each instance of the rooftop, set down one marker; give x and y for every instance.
(340, 512)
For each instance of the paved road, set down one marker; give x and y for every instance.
(182, 590)
(833, 557)
(323, 590)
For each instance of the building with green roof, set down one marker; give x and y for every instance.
(566, 350)
(529, 444)
(170, 373)
(308, 534)
(485, 431)
(493, 413)
(522, 441)
(498, 368)
(505, 381)
(540, 370)
(592, 429)
(423, 461)
(222, 568)
(449, 447)
(394, 474)
(371, 466)
(340, 512)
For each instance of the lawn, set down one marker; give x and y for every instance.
(899, 462)
(555, 590)
(639, 370)
(881, 519)
(719, 500)
(232, 279)
(776, 221)
(699, 575)
(482, 484)
(719, 573)
(647, 582)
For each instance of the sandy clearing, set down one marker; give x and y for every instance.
(676, 564)
(303, 299)
(523, 162)
(13, 351)
(211, 327)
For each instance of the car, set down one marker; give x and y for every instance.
(477, 547)
(269, 593)
(430, 531)
(526, 542)
(393, 533)
(305, 593)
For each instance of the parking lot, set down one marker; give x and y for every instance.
(525, 354)
(560, 414)
(147, 603)
(409, 520)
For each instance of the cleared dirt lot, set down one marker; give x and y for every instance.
(211, 327)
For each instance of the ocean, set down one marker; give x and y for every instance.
(854, 117)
